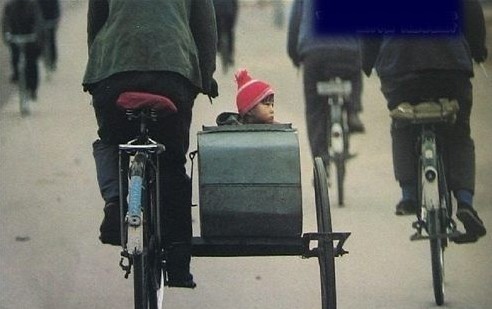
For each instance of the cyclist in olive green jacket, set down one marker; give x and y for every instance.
(165, 47)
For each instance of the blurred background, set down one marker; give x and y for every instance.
(50, 207)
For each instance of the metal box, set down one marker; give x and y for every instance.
(250, 182)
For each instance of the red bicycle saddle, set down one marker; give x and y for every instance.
(140, 100)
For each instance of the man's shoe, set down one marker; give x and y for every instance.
(406, 207)
(355, 124)
(110, 226)
(469, 217)
(464, 238)
(181, 281)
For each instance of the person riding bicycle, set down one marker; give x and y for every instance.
(226, 12)
(51, 15)
(323, 57)
(254, 99)
(420, 67)
(24, 17)
(164, 47)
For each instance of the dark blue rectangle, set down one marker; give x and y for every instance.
(403, 17)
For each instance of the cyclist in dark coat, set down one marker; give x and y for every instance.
(51, 15)
(165, 47)
(226, 12)
(323, 58)
(24, 17)
(412, 69)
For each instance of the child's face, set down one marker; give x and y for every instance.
(262, 113)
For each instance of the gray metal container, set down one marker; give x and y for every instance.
(250, 182)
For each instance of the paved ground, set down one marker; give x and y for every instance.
(50, 207)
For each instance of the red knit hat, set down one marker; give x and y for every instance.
(250, 91)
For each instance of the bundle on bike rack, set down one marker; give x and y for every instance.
(442, 110)
(250, 183)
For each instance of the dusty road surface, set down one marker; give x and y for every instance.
(50, 208)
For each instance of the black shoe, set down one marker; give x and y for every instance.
(110, 226)
(355, 124)
(185, 281)
(464, 238)
(469, 217)
(406, 207)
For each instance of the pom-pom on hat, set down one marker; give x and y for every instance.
(250, 91)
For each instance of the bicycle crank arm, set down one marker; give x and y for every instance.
(418, 236)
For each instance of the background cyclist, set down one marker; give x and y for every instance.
(422, 67)
(323, 58)
(24, 17)
(51, 15)
(226, 12)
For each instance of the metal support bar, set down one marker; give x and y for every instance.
(341, 237)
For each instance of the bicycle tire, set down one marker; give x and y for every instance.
(340, 167)
(23, 95)
(155, 282)
(326, 256)
(437, 257)
(139, 281)
(146, 295)
(136, 193)
(147, 265)
(155, 287)
(445, 195)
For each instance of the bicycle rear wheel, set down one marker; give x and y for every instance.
(437, 256)
(147, 263)
(155, 284)
(148, 277)
(326, 256)
(340, 167)
(148, 282)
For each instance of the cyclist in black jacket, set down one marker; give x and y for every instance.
(24, 17)
(51, 15)
(418, 67)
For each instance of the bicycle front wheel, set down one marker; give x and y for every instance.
(326, 256)
(437, 257)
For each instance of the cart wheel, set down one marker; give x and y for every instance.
(326, 257)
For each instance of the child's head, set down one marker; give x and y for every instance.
(254, 99)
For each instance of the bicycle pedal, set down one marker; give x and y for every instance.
(464, 238)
